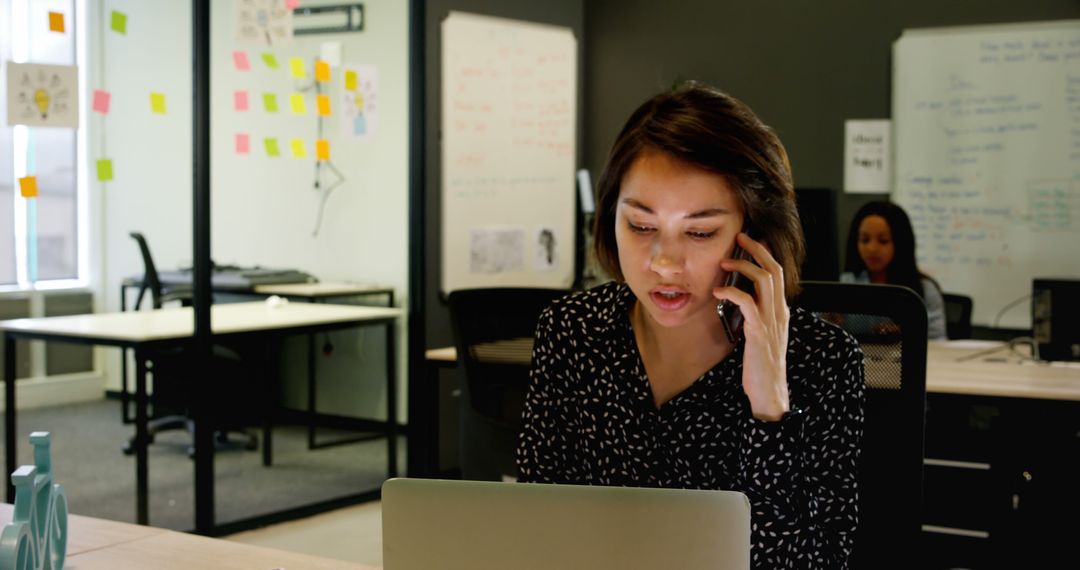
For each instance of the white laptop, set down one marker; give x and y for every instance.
(477, 525)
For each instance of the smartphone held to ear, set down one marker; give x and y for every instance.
(730, 315)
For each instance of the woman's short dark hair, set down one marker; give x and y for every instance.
(714, 131)
(902, 270)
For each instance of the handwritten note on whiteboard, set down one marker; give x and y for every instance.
(509, 116)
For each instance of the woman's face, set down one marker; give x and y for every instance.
(674, 222)
(875, 243)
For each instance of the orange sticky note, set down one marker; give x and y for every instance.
(56, 22)
(323, 101)
(322, 71)
(157, 103)
(350, 80)
(28, 187)
(322, 149)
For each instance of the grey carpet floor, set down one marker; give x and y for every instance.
(99, 479)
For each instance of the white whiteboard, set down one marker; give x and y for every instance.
(509, 116)
(987, 138)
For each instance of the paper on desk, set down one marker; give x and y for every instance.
(971, 344)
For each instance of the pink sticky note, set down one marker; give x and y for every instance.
(101, 101)
(292, 4)
(240, 59)
(243, 143)
(240, 98)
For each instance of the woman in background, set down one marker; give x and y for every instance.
(881, 249)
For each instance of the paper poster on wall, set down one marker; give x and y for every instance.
(43, 95)
(268, 22)
(867, 156)
(496, 250)
(546, 249)
(359, 116)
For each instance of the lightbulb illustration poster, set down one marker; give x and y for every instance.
(41, 95)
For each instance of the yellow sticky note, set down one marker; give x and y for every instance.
(298, 150)
(296, 101)
(270, 102)
(296, 67)
(104, 170)
(157, 103)
(271, 147)
(350, 80)
(322, 71)
(28, 187)
(56, 22)
(322, 149)
(323, 102)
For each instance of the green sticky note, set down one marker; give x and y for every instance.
(270, 60)
(119, 22)
(104, 170)
(157, 103)
(270, 102)
(272, 147)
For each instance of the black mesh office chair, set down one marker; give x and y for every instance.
(493, 333)
(957, 315)
(890, 324)
(172, 369)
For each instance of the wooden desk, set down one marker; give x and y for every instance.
(950, 370)
(98, 544)
(146, 331)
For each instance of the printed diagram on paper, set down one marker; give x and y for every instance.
(360, 101)
(42, 95)
(266, 21)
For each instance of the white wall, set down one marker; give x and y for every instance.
(263, 210)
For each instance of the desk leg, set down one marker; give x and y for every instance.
(125, 397)
(311, 391)
(142, 472)
(9, 412)
(391, 400)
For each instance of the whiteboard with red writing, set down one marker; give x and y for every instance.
(509, 116)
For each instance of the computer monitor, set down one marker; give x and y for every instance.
(1055, 318)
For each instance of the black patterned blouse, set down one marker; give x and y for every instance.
(590, 419)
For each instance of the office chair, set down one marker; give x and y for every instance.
(890, 324)
(493, 333)
(957, 315)
(172, 368)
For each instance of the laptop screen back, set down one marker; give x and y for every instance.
(452, 525)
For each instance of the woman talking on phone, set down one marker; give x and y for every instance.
(638, 383)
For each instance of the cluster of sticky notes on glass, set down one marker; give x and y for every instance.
(28, 187)
(297, 147)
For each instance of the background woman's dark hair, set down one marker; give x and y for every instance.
(902, 270)
(716, 132)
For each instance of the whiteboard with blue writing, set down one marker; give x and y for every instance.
(509, 119)
(987, 138)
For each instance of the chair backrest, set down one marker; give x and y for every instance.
(493, 333)
(957, 315)
(890, 324)
(150, 280)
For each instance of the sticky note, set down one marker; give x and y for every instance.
(104, 170)
(296, 67)
(322, 149)
(270, 60)
(243, 143)
(271, 147)
(322, 71)
(350, 80)
(323, 101)
(157, 103)
(240, 60)
(28, 187)
(296, 101)
(270, 102)
(298, 150)
(101, 101)
(56, 22)
(240, 100)
(118, 22)
(292, 4)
